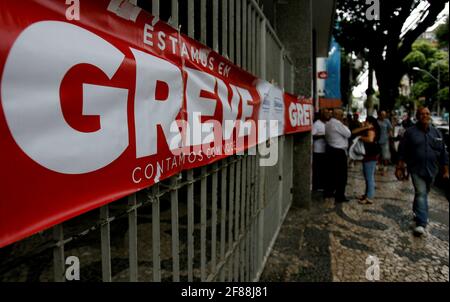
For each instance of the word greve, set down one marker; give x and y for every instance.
(83, 152)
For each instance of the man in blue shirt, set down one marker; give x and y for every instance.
(423, 152)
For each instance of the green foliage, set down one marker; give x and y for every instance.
(442, 34)
(443, 95)
(420, 89)
(382, 42)
(415, 58)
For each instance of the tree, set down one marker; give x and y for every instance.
(442, 34)
(434, 61)
(381, 40)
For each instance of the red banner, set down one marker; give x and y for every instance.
(98, 107)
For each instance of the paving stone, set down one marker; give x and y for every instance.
(382, 230)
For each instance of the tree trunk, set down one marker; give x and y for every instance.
(388, 76)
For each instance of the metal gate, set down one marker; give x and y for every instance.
(214, 223)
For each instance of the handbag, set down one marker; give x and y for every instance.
(357, 150)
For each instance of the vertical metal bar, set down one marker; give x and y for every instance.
(262, 170)
(203, 22)
(253, 210)
(190, 207)
(232, 32)
(156, 233)
(236, 221)
(255, 217)
(280, 201)
(106, 246)
(262, 46)
(203, 184)
(214, 219)
(174, 13)
(257, 45)
(175, 235)
(215, 20)
(250, 35)
(292, 77)
(248, 216)
(190, 18)
(244, 34)
(58, 254)
(230, 220)
(132, 238)
(155, 8)
(223, 212)
(238, 33)
(243, 213)
(224, 28)
(281, 79)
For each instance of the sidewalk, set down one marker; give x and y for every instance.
(332, 243)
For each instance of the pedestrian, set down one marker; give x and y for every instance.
(422, 152)
(336, 136)
(319, 148)
(370, 132)
(385, 134)
(354, 124)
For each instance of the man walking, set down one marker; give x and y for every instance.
(422, 151)
(385, 134)
(319, 147)
(336, 136)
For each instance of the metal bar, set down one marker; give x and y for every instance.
(255, 49)
(280, 177)
(215, 20)
(175, 235)
(262, 47)
(156, 234)
(190, 207)
(105, 244)
(155, 8)
(223, 212)
(132, 238)
(292, 78)
(224, 28)
(231, 32)
(174, 13)
(203, 26)
(190, 18)
(203, 206)
(248, 216)
(214, 219)
(244, 34)
(238, 33)
(230, 220)
(243, 229)
(249, 38)
(58, 254)
(236, 217)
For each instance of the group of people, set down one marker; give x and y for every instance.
(421, 153)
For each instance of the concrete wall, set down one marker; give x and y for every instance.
(294, 28)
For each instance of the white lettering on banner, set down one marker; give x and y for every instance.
(30, 97)
(300, 114)
(198, 105)
(150, 112)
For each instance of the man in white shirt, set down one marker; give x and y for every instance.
(319, 148)
(336, 136)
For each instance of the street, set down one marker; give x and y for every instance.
(333, 243)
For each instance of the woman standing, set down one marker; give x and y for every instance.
(370, 133)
